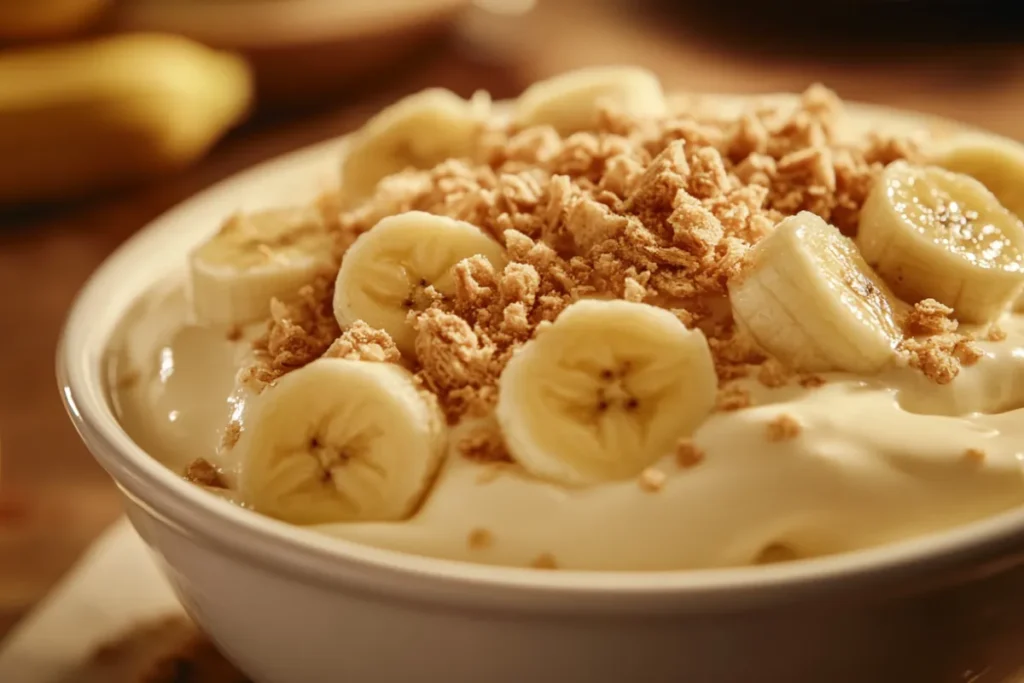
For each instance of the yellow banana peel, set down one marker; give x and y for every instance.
(82, 117)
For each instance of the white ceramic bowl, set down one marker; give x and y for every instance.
(291, 606)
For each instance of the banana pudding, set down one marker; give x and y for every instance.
(606, 330)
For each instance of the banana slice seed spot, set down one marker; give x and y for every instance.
(328, 457)
(418, 298)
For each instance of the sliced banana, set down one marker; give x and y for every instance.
(254, 258)
(996, 162)
(341, 440)
(932, 233)
(809, 299)
(386, 270)
(604, 392)
(570, 102)
(419, 131)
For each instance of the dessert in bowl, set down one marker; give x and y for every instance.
(676, 365)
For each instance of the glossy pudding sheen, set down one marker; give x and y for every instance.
(609, 331)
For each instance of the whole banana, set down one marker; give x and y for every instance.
(89, 116)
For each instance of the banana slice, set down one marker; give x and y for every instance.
(931, 233)
(254, 258)
(809, 299)
(386, 270)
(995, 162)
(341, 440)
(604, 392)
(569, 102)
(419, 131)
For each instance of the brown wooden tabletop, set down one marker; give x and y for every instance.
(54, 499)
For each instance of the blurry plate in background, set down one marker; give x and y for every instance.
(299, 48)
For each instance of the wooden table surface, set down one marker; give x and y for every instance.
(54, 499)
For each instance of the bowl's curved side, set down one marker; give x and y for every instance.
(279, 629)
(279, 548)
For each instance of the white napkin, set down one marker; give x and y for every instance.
(113, 587)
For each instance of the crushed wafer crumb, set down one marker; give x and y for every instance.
(484, 444)
(783, 428)
(232, 433)
(652, 480)
(995, 334)
(932, 343)
(688, 454)
(812, 381)
(233, 333)
(928, 318)
(362, 342)
(974, 455)
(204, 473)
(480, 539)
(298, 333)
(544, 561)
(772, 374)
(941, 357)
(733, 397)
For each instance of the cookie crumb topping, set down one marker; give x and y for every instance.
(974, 455)
(544, 561)
(783, 428)
(688, 454)
(204, 473)
(480, 539)
(656, 211)
(652, 480)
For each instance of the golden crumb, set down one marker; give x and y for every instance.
(544, 561)
(995, 334)
(933, 345)
(232, 433)
(652, 480)
(783, 428)
(480, 539)
(735, 352)
(234, 333)
(484, 444)
(967, 352)
(974, 455)
(204, 473)
(688, 454)
(733, 397)
(772, 374)
(812, 381)
(298, 332)
(941, 357)
(928, 318)
(362, 342)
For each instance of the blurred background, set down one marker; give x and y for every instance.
(113, 111)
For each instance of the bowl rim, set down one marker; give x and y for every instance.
(345, 565)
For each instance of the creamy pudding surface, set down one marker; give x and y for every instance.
(610, 331)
